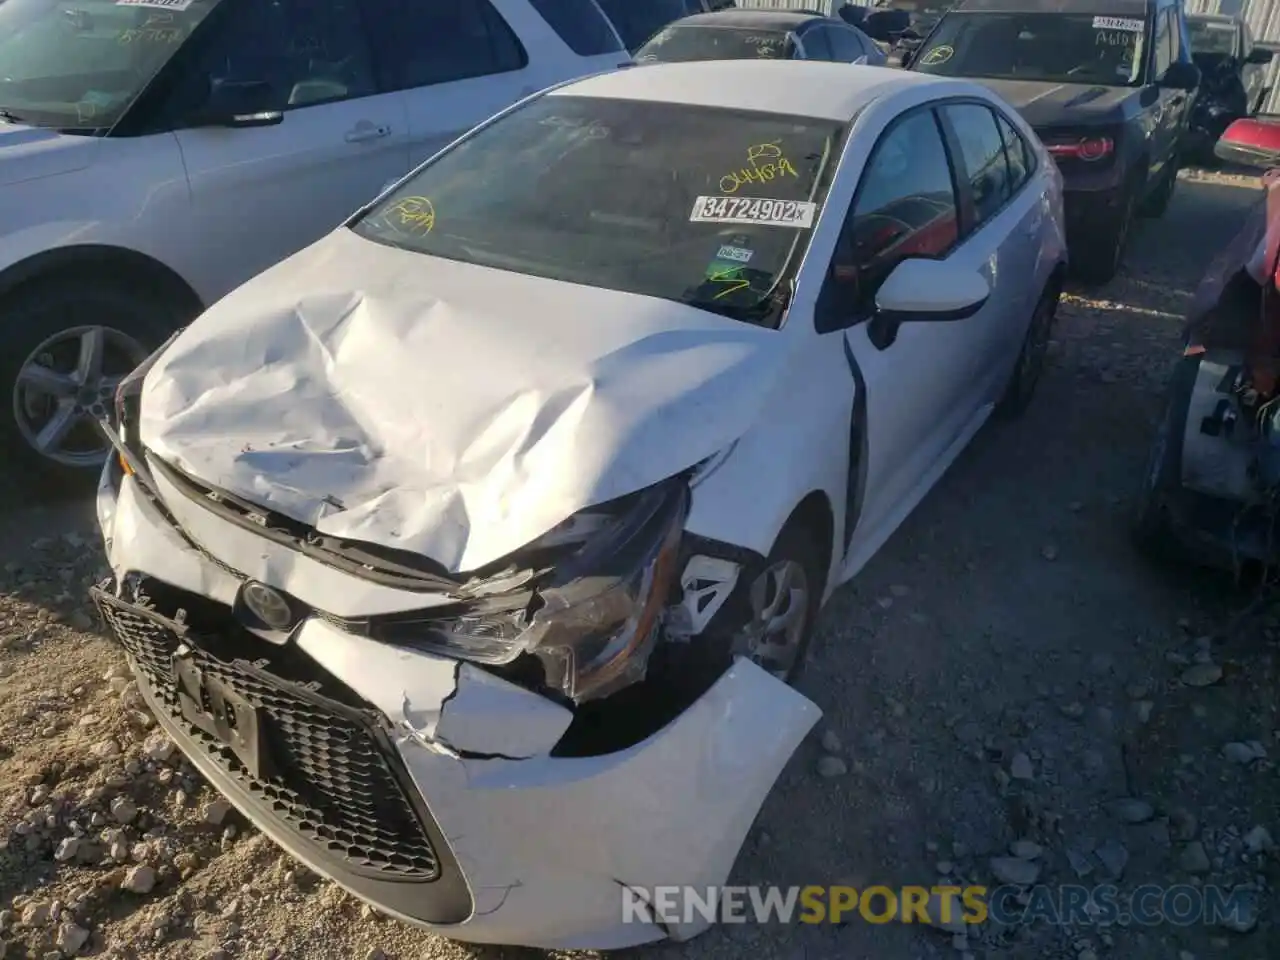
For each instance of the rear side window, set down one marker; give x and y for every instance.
(638, 20)
(846, 45)
(580, 24)
(1017, 152)
(422, 44)
(982, 152)
(815, 43)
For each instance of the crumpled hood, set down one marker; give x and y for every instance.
(30, 153)
(1044, 104)
(455, 411)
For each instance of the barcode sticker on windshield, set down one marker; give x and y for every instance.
(769, 213)
(161, 4)
(1118, 23)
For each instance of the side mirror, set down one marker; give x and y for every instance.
(919, 291)
(1180, 75)
(1259, 55)
(1250, 143)
(240, 103)
(861, 60)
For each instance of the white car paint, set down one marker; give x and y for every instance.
(349, 371)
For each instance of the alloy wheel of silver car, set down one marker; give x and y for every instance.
(65, 385)
(779, 601)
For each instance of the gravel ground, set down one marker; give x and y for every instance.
(1005, 670)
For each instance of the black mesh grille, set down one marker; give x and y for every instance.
(331, 780)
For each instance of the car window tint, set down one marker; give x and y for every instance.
(422, 44)
(1017, 153)
(845, 45)
(815, 43)
(905, 205)
(580, 24)
(306, 51)
(982, 154)
(638, 20)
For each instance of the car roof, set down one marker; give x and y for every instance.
(1106, 8)
(753, 19)
(802, 88)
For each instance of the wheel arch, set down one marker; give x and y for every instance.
(814, 515)
(118, 262)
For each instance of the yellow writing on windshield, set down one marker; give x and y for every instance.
(765, 162)
(731, 276)
(412, 215)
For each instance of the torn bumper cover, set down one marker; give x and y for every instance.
(430, 786)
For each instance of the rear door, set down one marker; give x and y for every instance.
(458, 62)
(1170, 105)
(1001, 228)
(259, 194)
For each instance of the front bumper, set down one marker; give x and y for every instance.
(427, 787)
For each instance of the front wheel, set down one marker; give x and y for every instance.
(779, 606)
(1156, 204)
(67, 345)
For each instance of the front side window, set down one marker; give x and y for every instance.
(580, 24)
(703, 206)
(293, 53)
(695, 42)
(78, 66)
(846, 45)
(1052, 47)
(905, 206)
(421, 44)
(983, 158)
(1162, 43)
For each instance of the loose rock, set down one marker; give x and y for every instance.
(71, 938)
(1193, 858)
(1015, 870)
(140, 879)
(831, 767)
(1131, 810)
(1201, 675)
(1020, 767)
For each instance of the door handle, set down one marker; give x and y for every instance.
(364, 132)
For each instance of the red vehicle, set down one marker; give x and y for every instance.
(1211, 491)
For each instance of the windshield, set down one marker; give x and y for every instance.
(704, 206)
(78, 64)
(715, 43)
(1212, 36)
(1054, 47)
(638, 20)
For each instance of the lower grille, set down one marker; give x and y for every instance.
(321, 767)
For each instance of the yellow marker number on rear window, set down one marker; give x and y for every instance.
(939, 54)
(765, 162)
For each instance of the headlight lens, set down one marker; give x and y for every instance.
(594, 623)
(131, 386)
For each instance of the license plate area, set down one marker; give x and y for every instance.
(213, 706)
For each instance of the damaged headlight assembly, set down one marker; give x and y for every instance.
(593, 621)
(124, 407)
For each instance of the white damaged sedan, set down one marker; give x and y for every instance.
(470, 550)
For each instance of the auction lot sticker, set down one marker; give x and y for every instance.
(769, 213)
(159, 4)
(1118, 23)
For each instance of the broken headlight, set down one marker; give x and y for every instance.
(128, 393)
(594, 619)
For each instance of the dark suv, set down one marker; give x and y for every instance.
(1108, 86)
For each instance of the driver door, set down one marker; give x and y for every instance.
(912, 395)
(259, 194)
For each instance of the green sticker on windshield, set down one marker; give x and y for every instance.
(939, 54)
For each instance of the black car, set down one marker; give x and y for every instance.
(1233, 78)
(1107, 84)
(638, 20)
(759, 33)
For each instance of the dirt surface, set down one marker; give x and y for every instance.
(1004, 670)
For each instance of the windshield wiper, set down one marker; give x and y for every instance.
(8, 116)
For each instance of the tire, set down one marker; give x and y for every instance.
(1156, 204)
(1031, 358)
(1150, 527)
(1097, 259)
(51, 385)
(798, 546)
